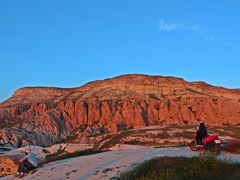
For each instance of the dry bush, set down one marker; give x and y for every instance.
(232, 146)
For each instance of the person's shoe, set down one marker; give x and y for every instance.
(21, 175)
(17, 174)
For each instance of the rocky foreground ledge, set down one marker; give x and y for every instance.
(109, 165)
(144, 138)
(9, 159)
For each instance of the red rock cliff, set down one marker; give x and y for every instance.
(39, 115)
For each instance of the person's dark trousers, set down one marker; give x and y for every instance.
(24, 164)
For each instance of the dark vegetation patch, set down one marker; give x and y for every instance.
(105, 138)
(117, 139)
(218, 130)
(133, 142)
(177, 126)
(175, 132)
(61, 155)
(160, 135)
(233, 131)
(70, 139)
(138, 135)
(232, 146)
(182, 168)
(163, 135)
(185, 134)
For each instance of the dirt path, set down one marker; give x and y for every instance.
(108, 165)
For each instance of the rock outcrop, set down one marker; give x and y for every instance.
(8, 165)
(44, 116)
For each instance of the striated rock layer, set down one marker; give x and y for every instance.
(43, 115)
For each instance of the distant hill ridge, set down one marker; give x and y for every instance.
(46, 115)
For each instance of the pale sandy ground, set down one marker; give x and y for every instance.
(108, 165)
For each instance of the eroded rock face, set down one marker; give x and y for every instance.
(8, 165)
(44, 116)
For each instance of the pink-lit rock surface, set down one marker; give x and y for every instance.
(44, 116)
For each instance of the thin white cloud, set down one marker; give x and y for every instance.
(181, 26)
(194, 28)
(166, 26)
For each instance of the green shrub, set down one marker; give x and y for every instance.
(181, 168)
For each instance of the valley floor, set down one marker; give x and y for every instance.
(109, 165)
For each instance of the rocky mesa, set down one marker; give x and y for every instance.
(44, 115)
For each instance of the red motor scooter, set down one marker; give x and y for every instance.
(210, 143)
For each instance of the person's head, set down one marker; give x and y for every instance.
(201, 122)
(27, 150)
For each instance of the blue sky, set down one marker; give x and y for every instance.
(68, 43)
